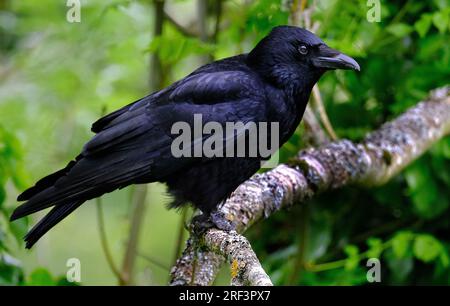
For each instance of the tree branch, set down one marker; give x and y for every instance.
(245, 266)
(156, 69)
(218, 15)
(195, 267)
(180, 28)
(379, 157)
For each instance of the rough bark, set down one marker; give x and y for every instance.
(379, 157)
(245, 267)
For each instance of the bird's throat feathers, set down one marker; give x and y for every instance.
(294, 79)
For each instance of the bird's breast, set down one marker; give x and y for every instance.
(286, 109)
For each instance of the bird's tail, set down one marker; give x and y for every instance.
(50, 220)
(42, 188)
(81, 180)
(58, 213)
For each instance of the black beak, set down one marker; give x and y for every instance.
(328, 58)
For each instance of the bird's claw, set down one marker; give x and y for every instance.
(201, 223)
(221, 222)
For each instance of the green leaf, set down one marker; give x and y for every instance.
(444, 259)
(352, 260)
(423, 189)
(19, 228)
(319, 240)
(172, 49)
(401, 243)
(423, 24)
(442, 148)
(399, 29)
(427, 248)
(11, 272)
(41, 277)
(402, 268)
(440, 20)
(62, 281)
(375, 247)
(442, 4)
(2, 195)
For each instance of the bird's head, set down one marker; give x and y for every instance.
(290, 54)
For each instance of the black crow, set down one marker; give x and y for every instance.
(133, 145)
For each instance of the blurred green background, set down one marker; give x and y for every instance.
(57, 77)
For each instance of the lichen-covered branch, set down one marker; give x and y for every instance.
(245, 266)
(195, 267)
(380, 156)
(230, 246)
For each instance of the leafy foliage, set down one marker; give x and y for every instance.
(58, 77)
(12, 170)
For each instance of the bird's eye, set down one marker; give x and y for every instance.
(303, 49)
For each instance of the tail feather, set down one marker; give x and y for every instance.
(84, 178)
(44, 185)
(46, 182)
(50, 220)
(69, 188)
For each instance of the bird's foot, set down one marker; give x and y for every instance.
(201, 223)
(221, 221)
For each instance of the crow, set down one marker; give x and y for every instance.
(133, 145)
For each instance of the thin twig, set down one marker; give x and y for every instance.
(318, 105)
(104, 241)
(137, 217)
(156, 69)
(303, 236)
(218, 15)
(314, 134)
(202, 20)
(180, 28)
(297, 11)
(154, 261)
(180, 235)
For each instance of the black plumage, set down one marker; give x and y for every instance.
(132, 145)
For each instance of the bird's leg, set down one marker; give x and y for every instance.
(214, 219)
(200, 224)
